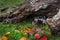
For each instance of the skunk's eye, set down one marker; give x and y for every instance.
(40, 17)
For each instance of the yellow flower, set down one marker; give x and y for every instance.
(8, 33)
(23, 38)
(26, 31)
(4, 38)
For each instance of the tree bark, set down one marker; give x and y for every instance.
(38, 7)
(54, 23)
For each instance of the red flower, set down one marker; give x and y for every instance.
(44, 38)
(37, 36)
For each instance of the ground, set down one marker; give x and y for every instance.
(13, 31)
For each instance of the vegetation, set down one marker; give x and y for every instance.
(8, 3)
(13, 31)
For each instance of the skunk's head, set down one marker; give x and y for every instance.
(39, 19)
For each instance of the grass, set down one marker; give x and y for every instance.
(9, 3)
(15, 29)
(16, 33)
(11, 27)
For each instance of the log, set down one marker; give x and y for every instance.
(38, 7)
(48, 8)
(54, 23)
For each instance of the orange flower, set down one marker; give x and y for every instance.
(23, 38)
(28, 28)
(26, 31)
(4, 38)
(33, 29)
